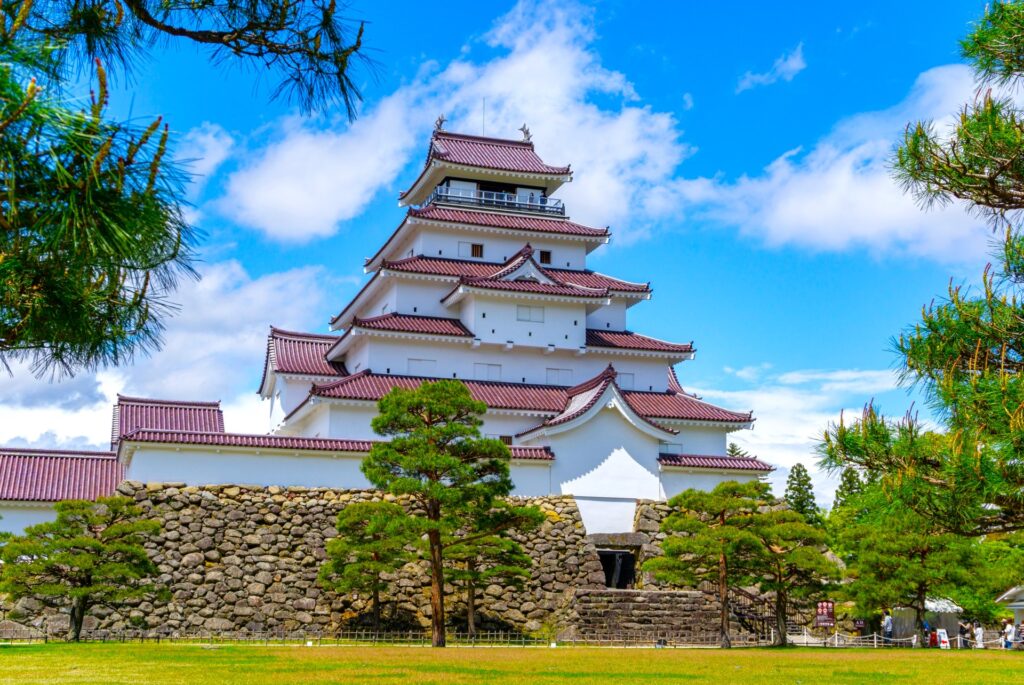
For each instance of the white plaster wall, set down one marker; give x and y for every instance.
(585, 448)
(495, 320)
(433, 242)
(673, 482)
(384, 300)
(521, 362)
(15, 517)
(351, 422)
(606, 514)
(292, 392)
(701, 440)
(154, 463)
(423, 298)
(611, 317)
(531, 480)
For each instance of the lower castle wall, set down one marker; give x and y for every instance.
(246, 558)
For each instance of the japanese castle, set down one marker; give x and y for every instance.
(484, 280)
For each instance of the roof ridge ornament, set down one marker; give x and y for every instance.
(439, 122)
(527, 138)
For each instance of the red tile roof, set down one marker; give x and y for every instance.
(702, 461)
(290, 443)
(30, 475)
(529, 287)
(369, 386)
(132, 413)
(489, 153)
(407, 323)
(464, 268)
(519, 222)
(541, 399)
(629, 340)
(302, 353)
(671, 405)
(532, 453)
(245, 440)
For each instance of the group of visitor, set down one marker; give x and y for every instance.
(971, 634)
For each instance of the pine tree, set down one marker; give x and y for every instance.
(734, 450)
(436, 457)
(898, 558)
(792, 562)
(967, 352)
(94, 238)
(850, 486)
(710, 540)
(800, 494)
(91, 555)
(372, 542)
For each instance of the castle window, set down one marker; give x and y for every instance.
(559, 376)
(507, 439)
(545, 256)
(625, 381)
(422, 367)
(472, 250)
(532, 314)
(487, 372)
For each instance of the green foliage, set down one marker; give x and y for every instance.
(998, 563)
(734, 450)
(93, 239)
(791, 562)
(453, 476)
(92, 554)
(710, 540)
(372, 542)
(850, 486)
(898, 558)
(966, 353)
(477, 557)
(800, 494)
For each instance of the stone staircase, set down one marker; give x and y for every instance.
(648, 615)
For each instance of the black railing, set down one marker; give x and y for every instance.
(526, 202)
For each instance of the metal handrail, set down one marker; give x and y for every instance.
(531, 202)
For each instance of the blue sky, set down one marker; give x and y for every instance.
(739, 153)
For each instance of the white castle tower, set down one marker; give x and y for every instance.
(484, 280)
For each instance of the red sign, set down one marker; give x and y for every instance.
(825, 614)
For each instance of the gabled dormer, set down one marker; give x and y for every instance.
(478, 171)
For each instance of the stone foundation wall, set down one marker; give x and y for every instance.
(239, 558)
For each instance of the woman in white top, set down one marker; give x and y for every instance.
(1007, 634)
(979, 636)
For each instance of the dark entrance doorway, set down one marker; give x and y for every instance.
(619, 568)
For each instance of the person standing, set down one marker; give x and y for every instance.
(979, 636)
(1008, 631)
(887, 627)
(963, 630)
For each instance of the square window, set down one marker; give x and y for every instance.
(531, 314)
(487, 372)
(545, 256)
(507, 439)
(477, 250)
(559, 376)
(422, 367)
(625, 381)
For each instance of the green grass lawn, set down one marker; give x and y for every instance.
(138, 664)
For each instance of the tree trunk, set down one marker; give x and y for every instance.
(780, 619)
(471, 609)
(79, 606)
(436, 589)
(376, 608)
(723, 598)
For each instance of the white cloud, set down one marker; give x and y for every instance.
(213, 349)
(839, 194)
(544, 70)
(792, 411)
(785, 67)
(202, 150)
(687, 101)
